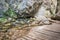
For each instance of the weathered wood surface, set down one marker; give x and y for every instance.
(46, 32)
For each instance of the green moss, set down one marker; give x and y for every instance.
(10, 13)
(3, 20)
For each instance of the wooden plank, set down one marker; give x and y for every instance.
(48, 32)
(52, 34)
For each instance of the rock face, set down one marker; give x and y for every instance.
(3, 7)
(23, 7)
(58, 10)
(27, 8)
(47, 9)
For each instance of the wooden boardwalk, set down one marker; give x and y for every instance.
(46, 32)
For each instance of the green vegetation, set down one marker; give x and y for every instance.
(10, 13)
(3, 20)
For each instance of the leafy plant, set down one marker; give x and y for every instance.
(10, 13)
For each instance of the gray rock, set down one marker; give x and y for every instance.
(22, 6)
(3, 7)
